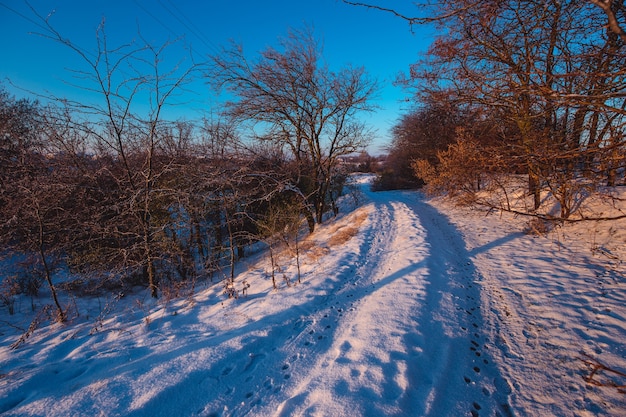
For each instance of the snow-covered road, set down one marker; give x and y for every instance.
(392, 318)
(410, 342)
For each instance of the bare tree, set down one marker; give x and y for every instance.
(34, 186)
(544, 69)
(297, 102)
(419, 135)
(433, 11)
(134, 139)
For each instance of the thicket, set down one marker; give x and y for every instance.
(110, 194)
(110, 223)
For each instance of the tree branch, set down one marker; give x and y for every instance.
(613, 24)
(413, 20)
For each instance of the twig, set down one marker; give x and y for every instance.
(414, 20)
(13, 325)
(43, 315)
(597, 367)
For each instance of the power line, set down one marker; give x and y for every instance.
(156, 18)
(193, 30)
(28, 19)
(197, 32)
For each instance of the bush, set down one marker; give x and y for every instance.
(390, 180)
(9, 288)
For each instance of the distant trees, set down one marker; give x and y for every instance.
(299, 104)
(419, 134)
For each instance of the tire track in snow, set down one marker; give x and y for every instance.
(365, 362)
(397, 332)
(468, 382)
(414, 345)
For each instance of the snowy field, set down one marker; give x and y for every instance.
(407, 307)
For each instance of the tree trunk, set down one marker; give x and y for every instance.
(534, 186)
(48, 275)
(310, 220)
(147, 242)
(150, 269)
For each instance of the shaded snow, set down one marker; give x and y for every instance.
(415, 314)
(552, 300)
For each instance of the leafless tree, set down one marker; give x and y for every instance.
(34, 187)
(294, 100)
(432, 11)
(615, 14)
(550, 72)
(132, 138)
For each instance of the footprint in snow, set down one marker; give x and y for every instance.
(254, 361)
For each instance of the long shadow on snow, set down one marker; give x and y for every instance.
(466, 382)
(467, 377)
(243, 376)
(242, 373)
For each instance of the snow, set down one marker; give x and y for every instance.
(407, 306)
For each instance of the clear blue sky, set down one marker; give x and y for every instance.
(385, 45)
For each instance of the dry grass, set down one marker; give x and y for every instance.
(317, 252)
(307, 245)
(339, 234)
(538, 227)
(312, 250)
(343, 234)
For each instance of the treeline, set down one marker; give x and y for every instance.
(529, 88)
(117, 196)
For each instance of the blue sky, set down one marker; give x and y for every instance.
(385, 45)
